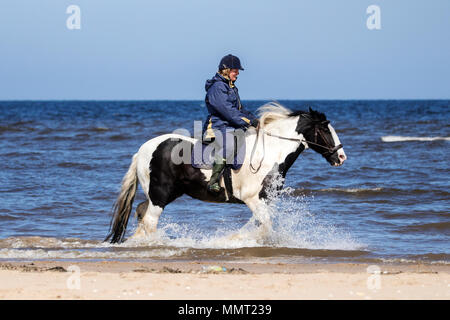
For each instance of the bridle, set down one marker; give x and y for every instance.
(328, 147)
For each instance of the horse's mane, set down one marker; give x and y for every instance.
(274, 111)
(271, 112)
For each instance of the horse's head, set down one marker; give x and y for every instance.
(320, 136)
(313, 126)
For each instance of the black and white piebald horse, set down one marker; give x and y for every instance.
(281, 137)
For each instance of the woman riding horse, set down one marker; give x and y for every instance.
(163, 178)
(225, 115)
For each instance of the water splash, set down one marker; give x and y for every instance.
(296, 226)
(293, 225)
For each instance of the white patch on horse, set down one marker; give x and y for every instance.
(340, 152)
(145, 155)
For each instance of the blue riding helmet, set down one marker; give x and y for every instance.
(230, 62)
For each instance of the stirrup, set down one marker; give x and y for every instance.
(215, 187)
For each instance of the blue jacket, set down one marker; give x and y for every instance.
(224, 106)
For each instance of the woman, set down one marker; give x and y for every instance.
(225, 114)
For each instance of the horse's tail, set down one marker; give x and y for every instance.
(123, 204)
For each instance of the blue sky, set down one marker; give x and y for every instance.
(314, 49)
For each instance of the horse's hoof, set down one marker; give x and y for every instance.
(137, 236)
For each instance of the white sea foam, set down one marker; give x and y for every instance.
(403, 260)
(88, 254)
(407, 138)
(352, 190)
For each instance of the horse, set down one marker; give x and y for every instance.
(284, 133)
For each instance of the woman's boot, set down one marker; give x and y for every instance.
(213, 184)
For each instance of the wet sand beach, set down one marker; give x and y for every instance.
(236, 280)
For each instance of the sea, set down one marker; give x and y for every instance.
(62, 162)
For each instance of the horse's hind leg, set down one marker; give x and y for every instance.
(140, 210)
(158, 178)
(147, 215)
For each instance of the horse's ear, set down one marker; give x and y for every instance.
(316, 115)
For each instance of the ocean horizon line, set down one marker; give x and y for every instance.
(192, 100)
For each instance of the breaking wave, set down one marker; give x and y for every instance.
(406, 138)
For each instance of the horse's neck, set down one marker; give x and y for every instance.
(283, 127)
(278, 151)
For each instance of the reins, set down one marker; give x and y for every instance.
(330, 149)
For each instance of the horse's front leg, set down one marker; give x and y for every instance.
(261, 218)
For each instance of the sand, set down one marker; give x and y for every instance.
(239, 280)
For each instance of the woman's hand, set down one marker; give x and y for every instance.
(255, 123)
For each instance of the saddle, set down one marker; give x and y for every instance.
(203, 152)
(202, 157)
